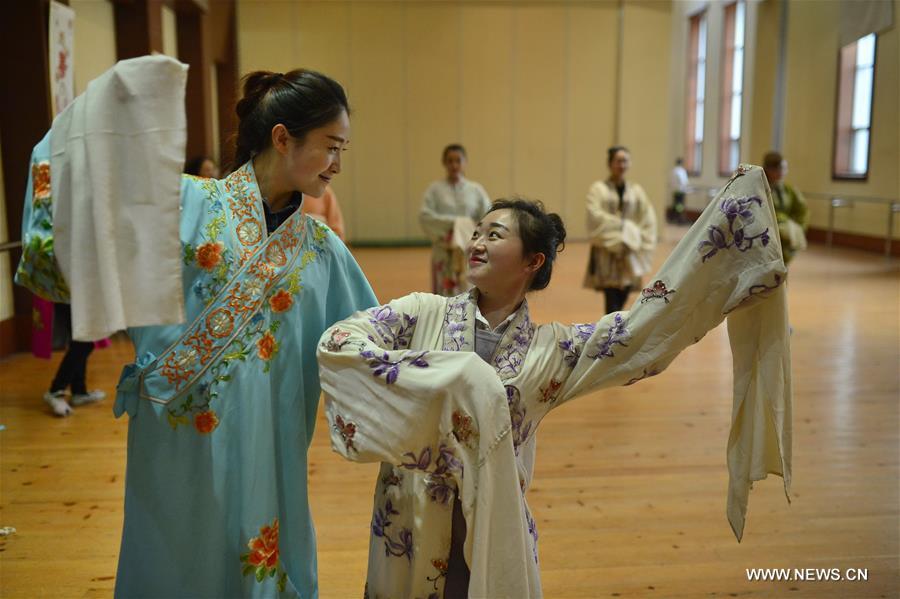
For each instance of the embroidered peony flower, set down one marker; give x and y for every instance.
(281, 301)
(40, 180)
(440, 565)
(264, 548)
(206, 422)
(266, 347)
(209, 255)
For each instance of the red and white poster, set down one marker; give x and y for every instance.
(62, 41)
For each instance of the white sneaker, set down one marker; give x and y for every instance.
(80, 399)
(57, 401)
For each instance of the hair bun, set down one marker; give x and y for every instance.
(559, 229)
(256, 85)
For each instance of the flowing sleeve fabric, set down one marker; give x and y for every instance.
(388, 403)
(38, 269)
(435, 224)
(729, 265)
(604, 228)
(116, 155)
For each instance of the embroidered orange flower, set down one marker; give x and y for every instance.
(281, 301)
(440, 565)
(209, 255)
(206, 422)
(40, 180)
(266, 347)
(264, 548)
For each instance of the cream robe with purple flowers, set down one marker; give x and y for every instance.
(403, 387)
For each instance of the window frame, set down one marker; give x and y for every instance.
(726, 88)
(701, 17)
(838, 137)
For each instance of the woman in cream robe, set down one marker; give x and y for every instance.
(449, 211)
(409, 384)
(622, 229)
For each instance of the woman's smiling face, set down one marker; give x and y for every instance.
(495, 252)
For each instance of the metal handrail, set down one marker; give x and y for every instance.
(844, 201)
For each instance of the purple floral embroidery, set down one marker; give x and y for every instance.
(383, 365)
(422, 462)
(759, 289)
(517, 414)
(439, 488)
(392, 479)
(382, 518)
(509, 358)
(455, 324)
(736, 210)
(571, 352)
(381, 521)
(446, 461)
(617, 334)
(402, 547)
(396, 330)
(532, 530)
(656, 291)
(583, 332)
(572, 347)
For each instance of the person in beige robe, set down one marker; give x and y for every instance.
(621, 226)
(448, 393)
(449, 211)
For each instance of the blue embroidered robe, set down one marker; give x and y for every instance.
(222, 407)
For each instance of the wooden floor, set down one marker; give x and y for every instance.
(629, 492)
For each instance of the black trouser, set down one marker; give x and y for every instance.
(615, 298)
(456, 585)
(72, 369)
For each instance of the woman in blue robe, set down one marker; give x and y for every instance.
(222, 407)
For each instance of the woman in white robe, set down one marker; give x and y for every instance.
(621, 225)
(450, 209)
(448, 392)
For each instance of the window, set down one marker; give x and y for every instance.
(696, 95)
(732, 89)
(856, 77)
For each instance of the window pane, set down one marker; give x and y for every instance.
(701, 81)
(859, 151)
(734, 155)
(739, 25)
(862, 98)
(735, 132)
(737, 82)
(698, 155)
(698, 123)
(865, 51)
(701, 46)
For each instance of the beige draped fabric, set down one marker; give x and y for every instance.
(117, 154)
